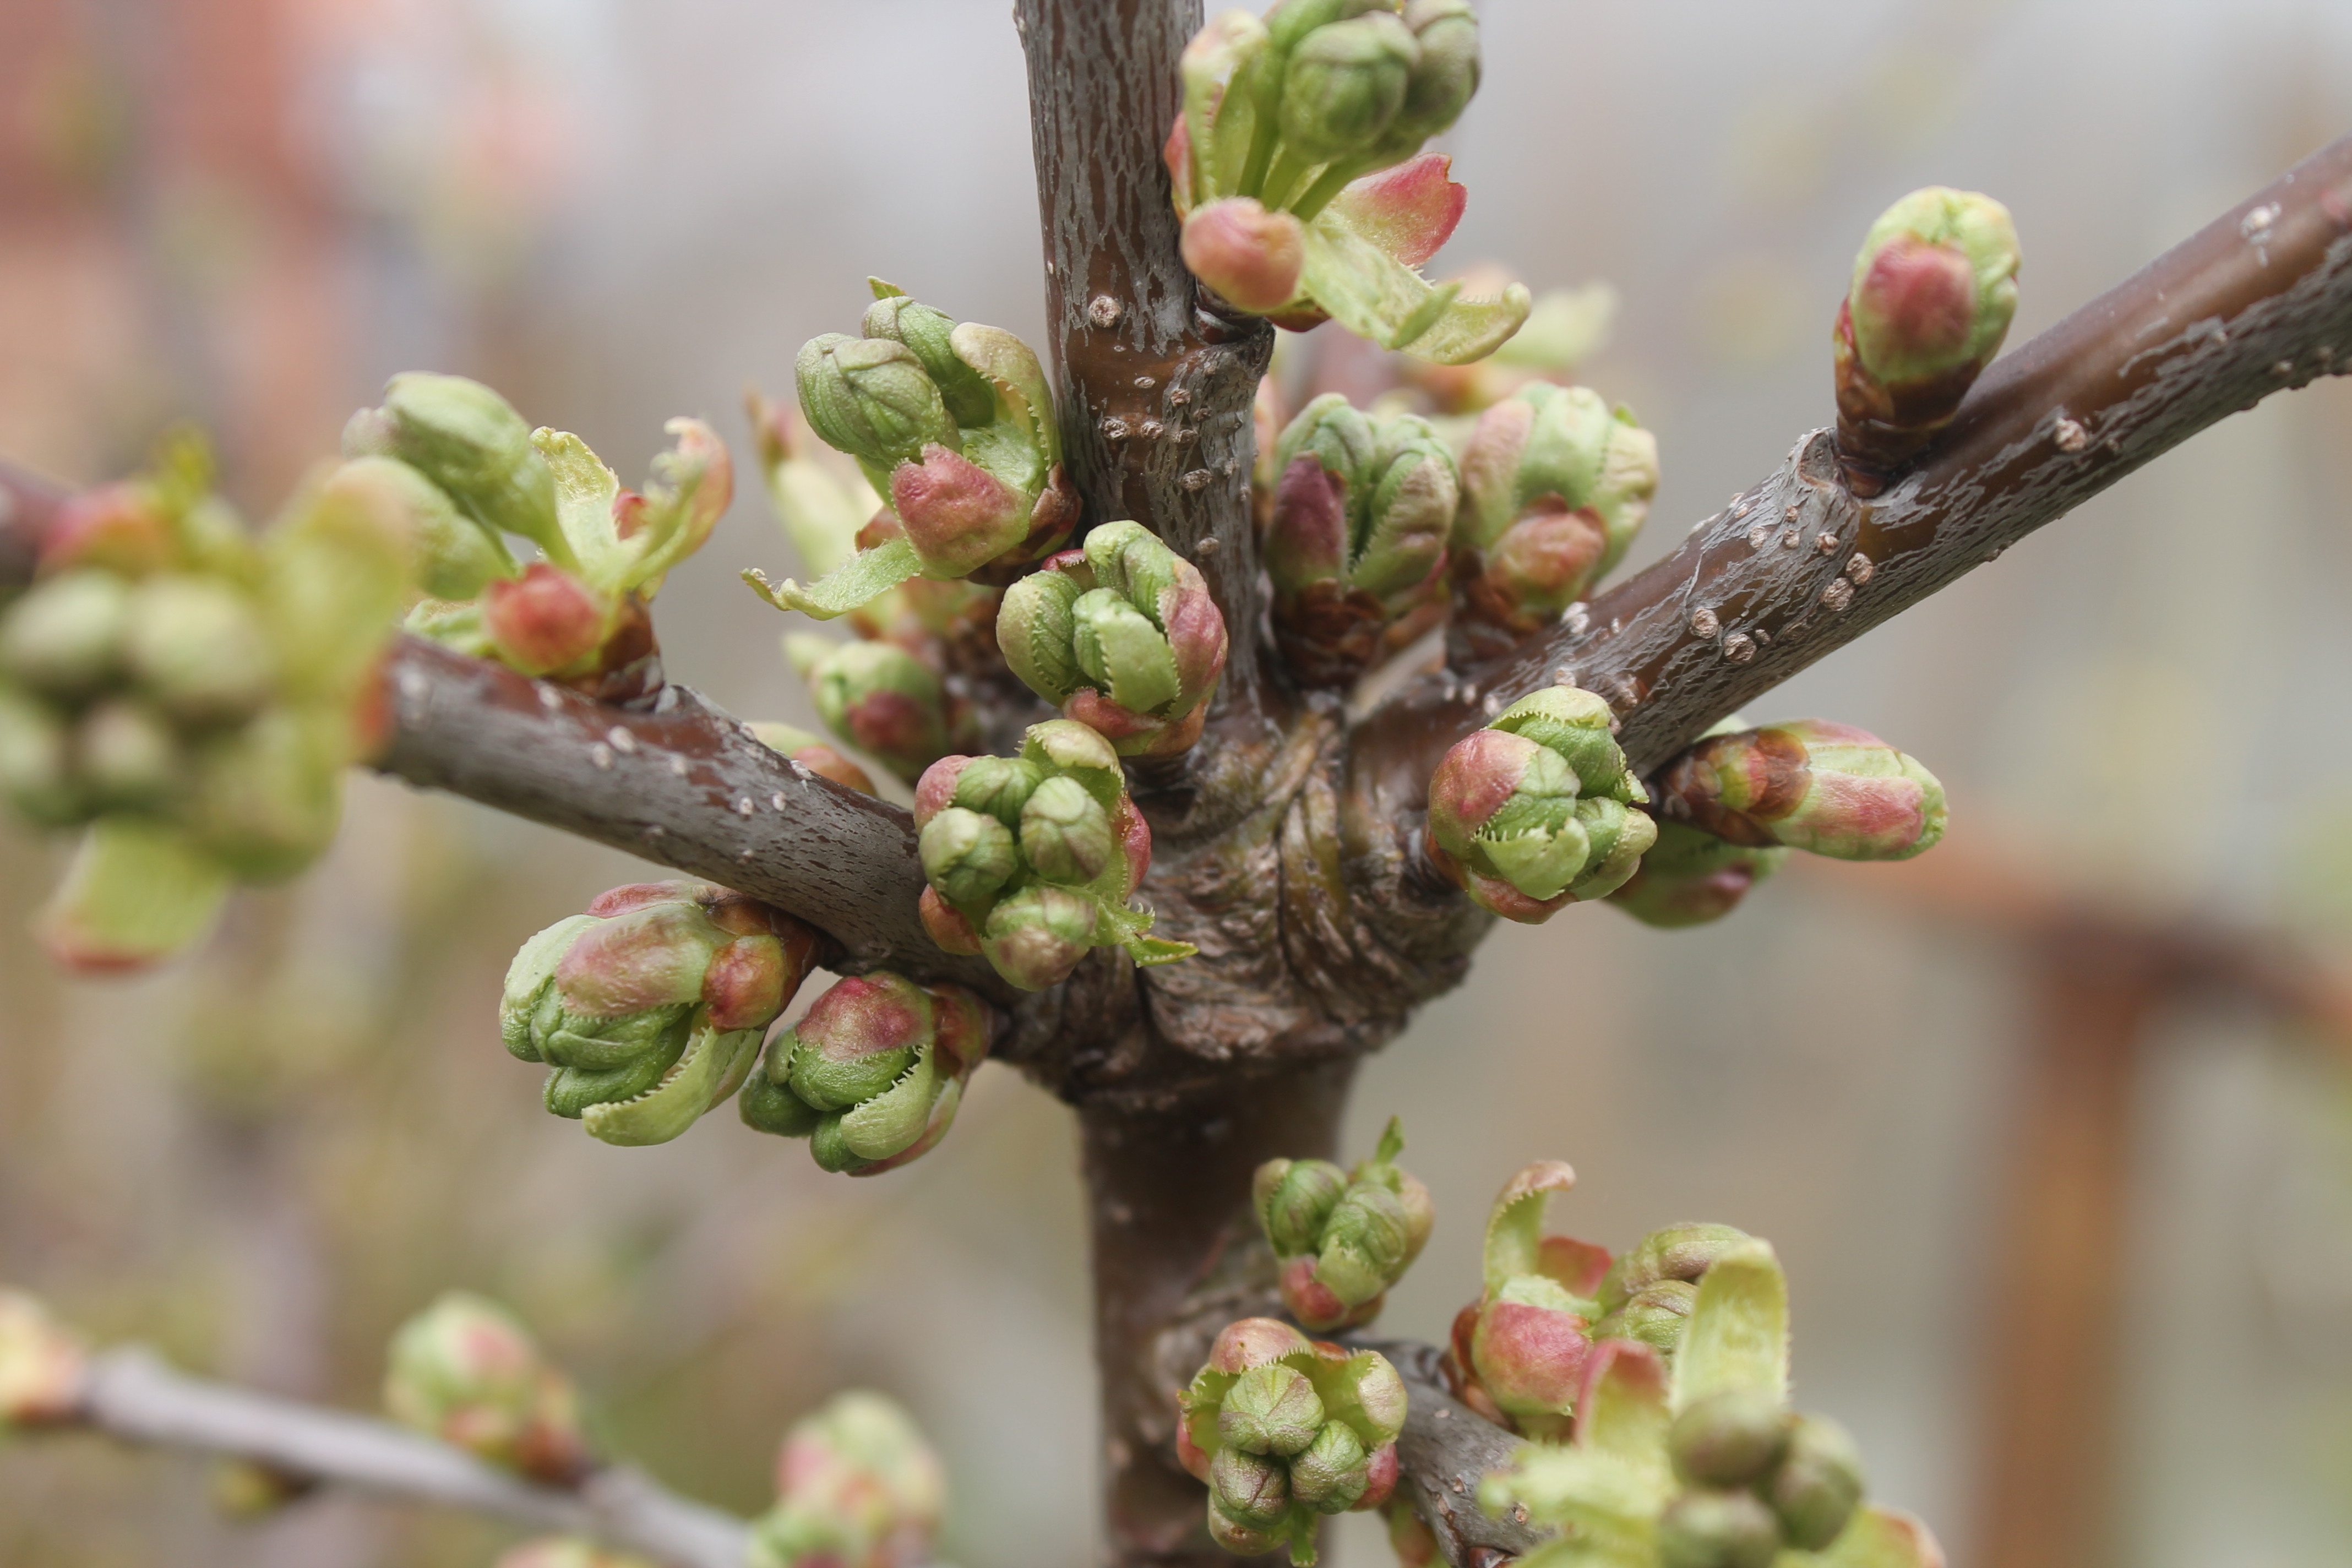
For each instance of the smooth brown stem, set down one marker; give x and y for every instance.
(2258, 301)
(1165, 1185)
(1155, 389)
(2048, 1440)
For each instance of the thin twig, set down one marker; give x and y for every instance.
(132, 1394)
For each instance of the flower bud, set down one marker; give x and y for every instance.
(36, 772)
(1294, 1197)
(466, 1372)
(856, 1486)
(546, 621)
(1249, 256)
(43, 1365)
(197, 647)
(1934, 288)
(1729, 1439)
(964, 392)
(1446, 76)
(1066, 836)
(126, 757)
(1677, 1252)
(887, 702)
(452, 556)
(650, 1006)
(957, 515)
(967, 856)
(1688, 878)
(1655, 1316)
(1122, 637)
(872, 398)
(1344, 85)
(1818, 1483)
(812, 755)
(1828, 788)
(1036, 937)
(873, 1074)
(471, 444)
(1533, 811)
(1524, 1345)
(1717, 1530)
(65, 636)
(1285, 1429)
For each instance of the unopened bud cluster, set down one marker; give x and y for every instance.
(1934, 288)
(191, 692)
(1343, 1238)
(649, 1008)
(888, 703)
(856, 1486)
(1810, 784)
(1286, 1430)
(872, 1073)
(1757, 1480)
(466, 1371)
(953, 424)
(1033, 860)
(1122, 637)
(456, 460)
(1355, 542)
(1555, 485)
(1518, 1354)
(1294, 168)
(1538, 809)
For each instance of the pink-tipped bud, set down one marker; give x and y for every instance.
(544, 621)
(466, 1372)
(958, 515)
(1810, 784)
(1251, 257)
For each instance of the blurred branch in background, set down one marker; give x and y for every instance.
(2100, 978)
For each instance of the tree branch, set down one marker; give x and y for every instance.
(1156, 391)
(683, 784)
(2258, 301)
(132, 1394)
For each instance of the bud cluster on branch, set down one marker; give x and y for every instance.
(1294, 166)
(189, 693)
(1343, 1238)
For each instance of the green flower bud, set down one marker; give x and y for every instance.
(1036, 936)
(453, 556)
(1677, 1252)
(967, 856)
(197, 647)
(1270, 1409)
(1344, 86)
(1446, 76)
(470, 443)
(963, 390)
(649, 1007)
(1122, 635)
(65, 636)
(1818, 1483)
(1811, 785)
(43, 1365)
(856, 1484)
(872, 398)
(37, 775)
(266, 799)
(1689, 877)
(1294, 1197)
(466, 1372)
(1729, 1439)
(1655, 1316)
(1531, 812)
(1717, 1530)
(1001, 787)
(1283, 1430)
(1066, 836)
(887, 702)
(873, 1074)
(127, 757)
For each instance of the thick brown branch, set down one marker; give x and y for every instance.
(2258, 301)
(132, 1396)
(684, 785)
(1155, 391)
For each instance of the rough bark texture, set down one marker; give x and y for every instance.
(132, 1396)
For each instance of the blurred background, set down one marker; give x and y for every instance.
(2052, 1127)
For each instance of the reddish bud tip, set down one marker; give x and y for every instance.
(1250, 255)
